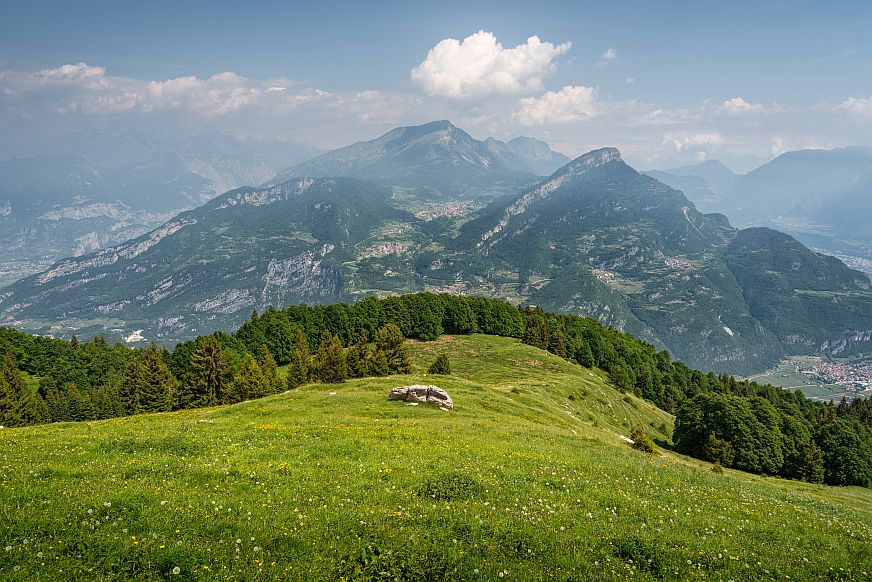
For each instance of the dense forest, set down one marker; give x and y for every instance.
(740, 424)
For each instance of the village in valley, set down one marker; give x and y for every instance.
(822, 379)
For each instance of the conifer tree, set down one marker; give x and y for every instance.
(269, 369)
(18, 406)
(811, 468)
(389, 344)
(158, 384)
(330, 359)
(298, 367)
(359, 358)
(209, 376)
(58, 405)
(249, 383)
(131, 385)
(441, 365)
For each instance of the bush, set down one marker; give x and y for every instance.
(641, 441)
(716, 468)
(441, 366)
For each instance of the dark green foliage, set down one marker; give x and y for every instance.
(269, 369)
(718, 451)
(18, 406)
(158, 385)
(359, 358)
(811, 466)
(641, 441)
(847, 451)
(298, 367)
(249, 383)
(389, 346)
(441, 365)
(330, 360)
(209, 377)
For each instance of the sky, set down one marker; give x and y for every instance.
(668, 83)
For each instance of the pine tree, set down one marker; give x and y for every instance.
(18, 406)
(158, 384)
(58, 405)
(389, 344)
(249, 383)
(441, 365)
(131, 385)
(209, 377)
(269, 369)
(811, 468)
(379, 366)
(298, 367)
(359, 358)
(330, 360)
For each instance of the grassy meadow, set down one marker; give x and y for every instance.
(526, 479)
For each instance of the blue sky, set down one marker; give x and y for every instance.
(683, 81)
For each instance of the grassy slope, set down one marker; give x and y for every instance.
(292, 485)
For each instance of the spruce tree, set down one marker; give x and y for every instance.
(158, 384)
(269, 369)
(298, 367)
(441, 365)
(359, 358)
(18, 406)
(249, 383)
(209, 377)
(389, 344)
(811, 468)
(58, 405)
(131, 385)
(330, 359)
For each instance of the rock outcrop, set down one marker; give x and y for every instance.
(421, 393)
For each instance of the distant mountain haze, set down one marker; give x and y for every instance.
(594, 238)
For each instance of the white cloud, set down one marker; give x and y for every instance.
(629, 80)
(858, 107)
(738, 106)
(610, 55)
(479, 65)
(693, 141)
(572, 103)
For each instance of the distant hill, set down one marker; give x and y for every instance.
(538, 156)
(822, 197)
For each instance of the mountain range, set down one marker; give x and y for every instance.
(595, 238)
(101, 189)
(822, 197)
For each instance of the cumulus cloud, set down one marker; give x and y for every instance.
(738, 106)
(693, 141)
(479, 66)
(610, 54)
(572, 103)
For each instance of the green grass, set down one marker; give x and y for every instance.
(526, 477)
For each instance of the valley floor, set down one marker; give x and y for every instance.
(527, 479)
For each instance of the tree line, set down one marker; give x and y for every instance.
(792, 436)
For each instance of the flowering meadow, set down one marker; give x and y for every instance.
(527, 478)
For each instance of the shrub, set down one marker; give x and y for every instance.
(641, 441)
(716, 468)
(441, 365)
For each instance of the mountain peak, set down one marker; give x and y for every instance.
(591, 160)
